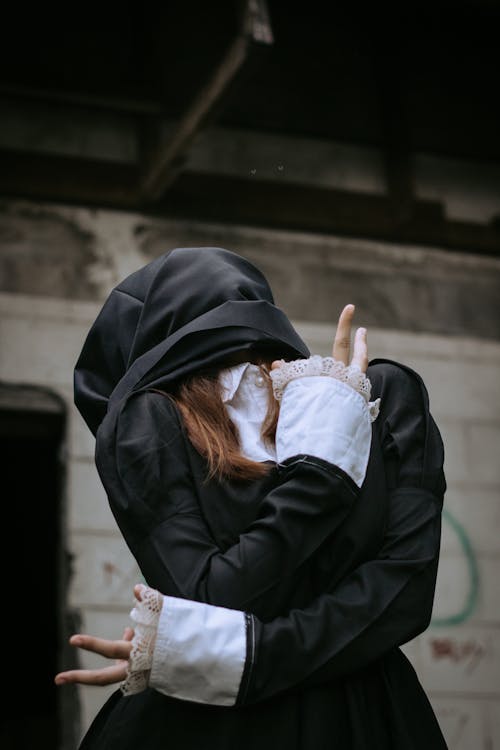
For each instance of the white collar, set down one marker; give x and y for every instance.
(247, 407)
(230, 379)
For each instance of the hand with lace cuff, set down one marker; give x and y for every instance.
(336, 366)
(132, 653)
(325, 410)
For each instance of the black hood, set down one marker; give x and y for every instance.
(186, 310)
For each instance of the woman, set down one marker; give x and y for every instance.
(289, 536)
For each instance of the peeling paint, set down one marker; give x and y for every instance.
(46, 254)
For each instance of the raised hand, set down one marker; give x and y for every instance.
(342, 342)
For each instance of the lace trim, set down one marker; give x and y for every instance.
(145, 615)
(317, 365)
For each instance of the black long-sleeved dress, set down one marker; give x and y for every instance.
(333, 579)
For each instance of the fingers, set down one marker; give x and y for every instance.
(277, 363)
(128, 634)
(342, 342)
(138, 589)
(110, 649)
(104, 676)
(360, 353)
(119, 650)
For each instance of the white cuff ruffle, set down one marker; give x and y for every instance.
(326, 418)
(316, 365)
(200, 652)
(145, 615)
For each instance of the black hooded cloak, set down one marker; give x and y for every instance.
(353, 576)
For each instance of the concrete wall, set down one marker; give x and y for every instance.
(57, 265)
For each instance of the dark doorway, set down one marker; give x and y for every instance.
(31, 435)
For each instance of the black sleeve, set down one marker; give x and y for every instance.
(386, 601)
(149, 482)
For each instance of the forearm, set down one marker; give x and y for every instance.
(311, 501)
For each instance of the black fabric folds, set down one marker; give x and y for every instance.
(185, 310)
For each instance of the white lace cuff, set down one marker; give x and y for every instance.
(145, 615)
(325, 417)
(200, 652)
(316, 365)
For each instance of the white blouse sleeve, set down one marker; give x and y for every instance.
(186, 649)
(325, 412)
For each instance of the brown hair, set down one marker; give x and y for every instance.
(211, 431)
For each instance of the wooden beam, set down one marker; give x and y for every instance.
(68, 179)
(293, 206)
(304, 208)
(106, 101)
(168, 157)
(239, 200)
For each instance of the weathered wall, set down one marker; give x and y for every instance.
(436, 311)
(79, 254)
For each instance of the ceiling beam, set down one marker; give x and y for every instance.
(326, 210)
(68, 179)
(107, 101)
(168, 156)
(238, 200)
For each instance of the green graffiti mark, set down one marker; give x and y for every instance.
(470, 601)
